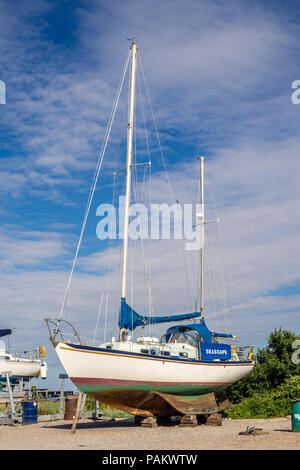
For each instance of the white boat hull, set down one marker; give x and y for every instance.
(124, 379)
(20, 367)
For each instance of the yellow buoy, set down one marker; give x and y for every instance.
(42, 351)
(250, 354)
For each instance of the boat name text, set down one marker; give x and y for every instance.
(216, 351)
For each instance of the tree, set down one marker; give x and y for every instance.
(273, 365)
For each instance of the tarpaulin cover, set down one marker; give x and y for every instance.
(130, 319)
(5, 332)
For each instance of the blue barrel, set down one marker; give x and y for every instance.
(29, 412)
(296, 415)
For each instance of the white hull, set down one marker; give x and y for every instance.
(99, 366)
(150, 385)
(20, 367)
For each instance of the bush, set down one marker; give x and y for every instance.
(268, 404)
(273, 366)
(105, 410)
(47, 407)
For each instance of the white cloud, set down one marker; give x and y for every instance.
(28, 249)
(220, 81)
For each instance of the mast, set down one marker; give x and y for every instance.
(133, 48)
(202, 237)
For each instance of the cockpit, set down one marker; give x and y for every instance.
(182, 335)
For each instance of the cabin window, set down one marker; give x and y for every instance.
(183, 354)
(108, 346)
(165, 353)
(191, 337)
(154, 351)
(145, 351)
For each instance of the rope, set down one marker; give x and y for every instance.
(224, 278)
(106, 310)
(138, 197)
(98, 317)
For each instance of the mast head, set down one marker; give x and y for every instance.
(132, 42)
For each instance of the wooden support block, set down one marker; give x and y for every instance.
(188, 421)
(214, 420)
(149, 422)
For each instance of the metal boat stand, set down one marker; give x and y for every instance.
(11, 418)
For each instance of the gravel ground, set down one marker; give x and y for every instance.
(123, 434)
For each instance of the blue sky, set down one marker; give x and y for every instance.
(219, 75)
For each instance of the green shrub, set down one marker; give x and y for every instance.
(48, 407)
(107, 410)
(269, 404)
(273, 366)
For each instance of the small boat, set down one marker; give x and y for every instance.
(187, 371)
(25, 365)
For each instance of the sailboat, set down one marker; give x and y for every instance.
(187, 371)
(21, 366)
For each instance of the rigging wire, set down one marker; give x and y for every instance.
(188, 294)
(147, 271)
(106, 311)
(212, 285)
(111, 242)
(226, 295)
(93, 187)
(98, 317)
